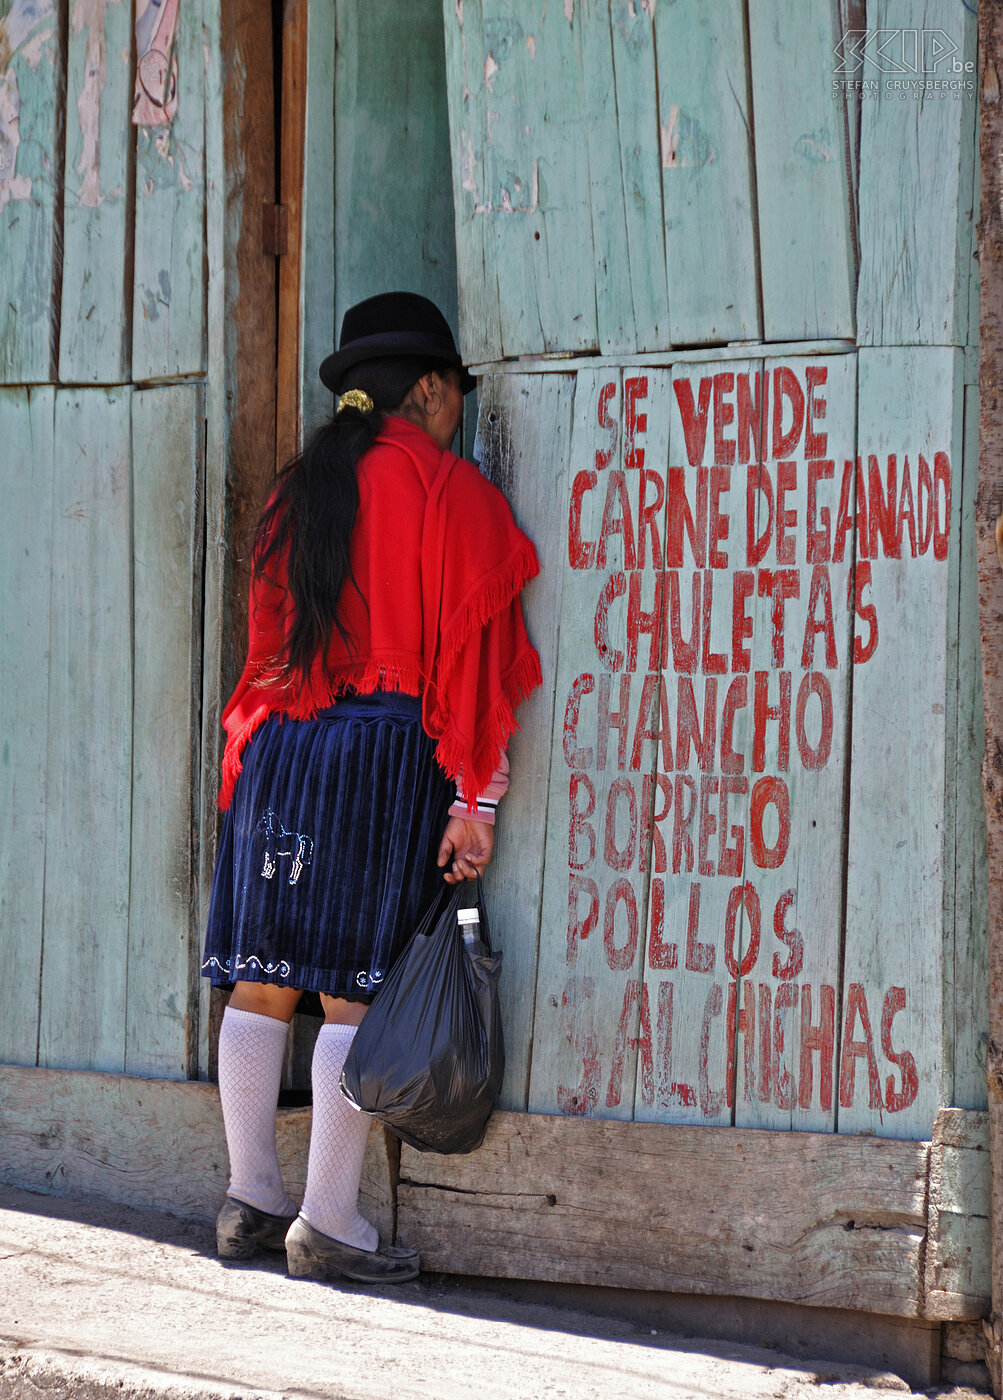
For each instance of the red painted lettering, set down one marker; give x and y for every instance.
(786, 972)
(897, 1099)
(579, 928)
(608, 719)
(763, 712)
(724, 413)
(579, 824)
(575, 757)
(581, 553)
(605, 455)
(779, 585)
(620, 959)
(742, 897)
(786, 388)
(769, 792)
(814, 443)
(819, 599)
(694, 417)
(854, 1050)
(757, 540)
(819, 520)
(817, 1040)
(634, 423)
(653, 813)
(615, 587)
(787, 481)
(660, 954)
(815, 756)
(699, 956)
(680, 519)
(688, 731)
(619, 855)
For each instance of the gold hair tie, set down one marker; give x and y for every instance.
(355, 398)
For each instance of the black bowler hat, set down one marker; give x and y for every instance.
(393, 324)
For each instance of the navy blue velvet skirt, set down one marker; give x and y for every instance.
(327, 855)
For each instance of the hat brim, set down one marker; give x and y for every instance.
(377, 347)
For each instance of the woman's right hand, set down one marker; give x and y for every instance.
(466, 848)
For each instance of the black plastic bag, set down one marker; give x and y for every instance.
(429, 1057)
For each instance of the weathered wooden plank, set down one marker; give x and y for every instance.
(900, 884)
(317, 204)
(802, 180)
(957, 1256)
(168, 323)
(636, 151)
(291, 268)
(394, 231)
(529, 104)
(614, 310)
(524, 445)
(161, 1016)
(707, 171)
(31, 98)
(153, 1143)
(701, 798)
(916, 160)
(801, 657)
(89, 755)
(98, 195)
(220, 291)
(26, 425)
(477, 289)
(966, 986)
(594, 887)
(796, 1217)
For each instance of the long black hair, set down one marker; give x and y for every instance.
(312, 511)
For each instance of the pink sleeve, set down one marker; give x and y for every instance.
(488, 800)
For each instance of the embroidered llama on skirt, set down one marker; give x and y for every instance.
(280, 842)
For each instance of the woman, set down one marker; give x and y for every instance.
(365, 755)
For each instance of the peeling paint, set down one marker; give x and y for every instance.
(505, 203)
(569, 11)
(25, 31)
(90, 15)
(156, 97)
(34, 49)
(467, 164)
(684, 141)
(459, 13)
(531, 45)
(816, 146)
(490, 70)
(12, 185)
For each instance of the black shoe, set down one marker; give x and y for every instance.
(243, 1230)
(313, 1255)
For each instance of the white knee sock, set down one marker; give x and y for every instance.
(251, 1050)
(337, 1146)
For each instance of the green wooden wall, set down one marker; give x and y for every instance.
(103, 418)
(726, 314)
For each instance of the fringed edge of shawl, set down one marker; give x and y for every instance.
(485, 602)
(363, 679)
(452, 752)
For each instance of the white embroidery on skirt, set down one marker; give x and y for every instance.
(281, 967)
(298, 846)
(369, 979)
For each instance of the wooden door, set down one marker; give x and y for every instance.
(724, 309)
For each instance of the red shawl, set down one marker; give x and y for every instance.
(440, 563)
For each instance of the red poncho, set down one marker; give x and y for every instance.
(440, 563)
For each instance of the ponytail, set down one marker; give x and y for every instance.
(311, 514)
